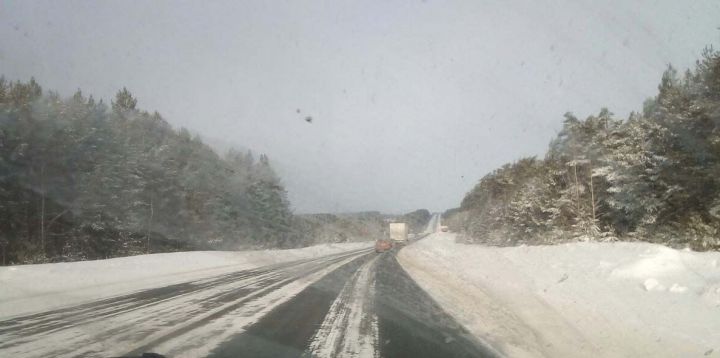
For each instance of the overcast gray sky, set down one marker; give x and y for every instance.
(413, 101)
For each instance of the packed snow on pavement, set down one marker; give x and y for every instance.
(31, 288)
(576, 300)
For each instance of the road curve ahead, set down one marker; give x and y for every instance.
(354, 304)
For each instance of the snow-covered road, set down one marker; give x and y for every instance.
(185, 319)
(351, 303)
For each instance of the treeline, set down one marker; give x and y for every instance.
(654, 176)
(417, 220)
(83, 180)
(352, 227)
(338, 228)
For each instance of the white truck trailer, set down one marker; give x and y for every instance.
(399, 232)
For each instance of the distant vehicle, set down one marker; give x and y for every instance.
(383, 245)
(399, 232)
(444, 228)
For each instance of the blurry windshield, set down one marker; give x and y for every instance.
(359, 179)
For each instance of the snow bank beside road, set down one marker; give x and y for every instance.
(575, 300)
(30, 288)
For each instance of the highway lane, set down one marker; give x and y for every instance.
(368, 308)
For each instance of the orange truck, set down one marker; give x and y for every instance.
(383, 245)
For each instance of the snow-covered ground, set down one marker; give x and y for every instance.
(576, 300)
(31, 288)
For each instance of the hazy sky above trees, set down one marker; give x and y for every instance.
(412, 101)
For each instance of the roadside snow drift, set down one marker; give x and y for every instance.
(31, 288)
(576, 300)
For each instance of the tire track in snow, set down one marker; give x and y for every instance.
(369, 307)
(50, 320)
(103, 328)
(199, 335)
(286, 331)
(350, 328)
